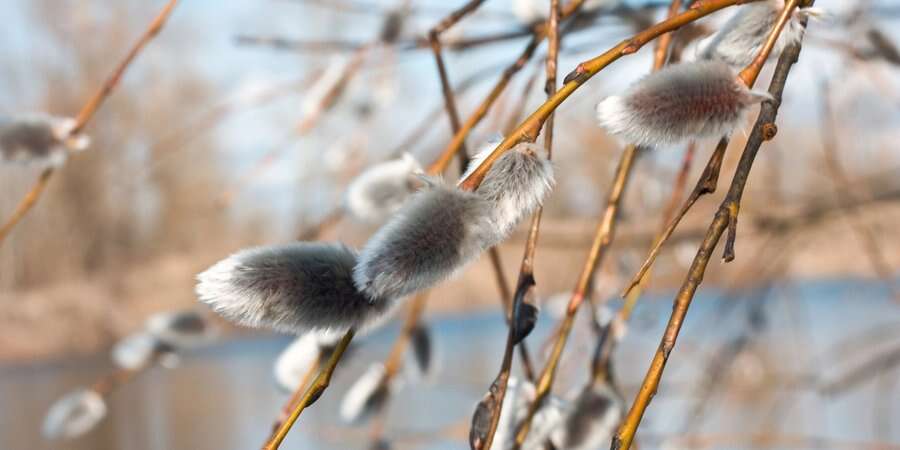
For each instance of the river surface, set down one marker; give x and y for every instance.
(223, 395)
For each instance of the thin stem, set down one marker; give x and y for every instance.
(661, 52)
(709, 179)
(296, 396)
(705, 185)
(91, 107)
(539, 33)
(26, 203)
(526, 272)
(306, 124)
(319, 384)
(394, 362)
(528, 130)
(85, 115)
(609, 337)
(602, 240)
(768, 111)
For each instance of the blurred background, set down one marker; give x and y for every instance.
(220, 137)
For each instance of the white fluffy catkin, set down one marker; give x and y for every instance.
(437, 232)
(593, 419)
(180, 329)
(516, 184)
(295, 360)
(382, 189)
(546, 422)
(74, 414)
(39, 139)
(741, 38)
(680, 102)
(366, 395)
(141, 349)
(292, 288)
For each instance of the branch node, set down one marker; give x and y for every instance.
(769, 131)
(733, 209)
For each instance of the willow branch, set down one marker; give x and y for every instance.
(85, 115)
(394, 361)
(539, 33)
(296, 396)
(319, 384)
(528, 130)
(526, 283)
(709, 179)
(306, 124)
(721, 221)
(602, 240)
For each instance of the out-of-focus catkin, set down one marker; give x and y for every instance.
(39, 139)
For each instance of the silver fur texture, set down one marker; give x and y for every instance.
(741, 38)
(367, 395)
(181, 329)
(516, 185)
(681, 102)
(592, 420)
(38, 139)
(292, 288)
(74, 414)
(545, 425)
(382, 189)
(437, 232)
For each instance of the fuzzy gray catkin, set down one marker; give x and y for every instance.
(382, 189)
(180, 329)
(292, 288)
(592, 420)
(38, 139)
(546, 422)
(436, 233)
(295, 360)
(366, 395)
(139, 350)
(74, 415)
(516, 184)
(422, 353)
(741, 38)
(680, 102)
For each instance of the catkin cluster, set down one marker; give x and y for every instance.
(328, 287)
(702, 97)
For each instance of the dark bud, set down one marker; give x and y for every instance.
(420, 339)
(525, 313)
(481, 420)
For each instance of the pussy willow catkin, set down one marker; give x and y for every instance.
(292, 288)
(685, 101)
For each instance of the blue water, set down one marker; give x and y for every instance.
(223, 396)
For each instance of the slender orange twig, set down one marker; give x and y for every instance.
(85, 115)
(762, 131)
(528, 130)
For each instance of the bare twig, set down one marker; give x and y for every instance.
(709, 178)
(526, 283)
(730, 205)
(481, 111)
(86, 113)
(602, 239)
(394, 361)
(528, 130)
(319, 384)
